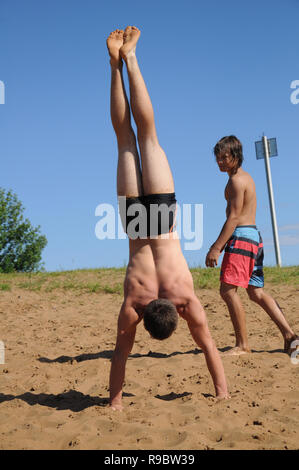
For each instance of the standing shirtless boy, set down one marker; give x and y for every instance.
(158, 284)
(242, 264)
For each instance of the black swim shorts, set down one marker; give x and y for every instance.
(148, 216)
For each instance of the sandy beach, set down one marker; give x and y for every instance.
(54, 383)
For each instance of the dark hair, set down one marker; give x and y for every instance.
(160, 318)
(231, 145)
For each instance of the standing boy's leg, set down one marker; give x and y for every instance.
(230, 295)
(258, 295)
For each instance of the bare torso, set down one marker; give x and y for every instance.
(157, 269)
(247, 216)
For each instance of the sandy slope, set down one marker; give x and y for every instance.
(54, 385)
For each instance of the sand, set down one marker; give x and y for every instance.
(54, 383)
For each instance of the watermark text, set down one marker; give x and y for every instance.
(185, 221)
(2, 353)
(295, 94)
(2, 92)
(295, 353)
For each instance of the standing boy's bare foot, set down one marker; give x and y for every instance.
(114, 42)
(131, 36)
(290, 345)
(236, 351)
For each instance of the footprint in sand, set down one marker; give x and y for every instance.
(171, 438)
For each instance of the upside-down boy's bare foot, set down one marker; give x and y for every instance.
(114, 42)
(131, 36)
(236, 351)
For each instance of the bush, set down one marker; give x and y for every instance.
(20, 243)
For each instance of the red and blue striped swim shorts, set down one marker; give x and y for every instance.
(242, 263)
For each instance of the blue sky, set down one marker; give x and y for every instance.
(212, 69)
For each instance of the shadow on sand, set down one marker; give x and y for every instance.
(109, 353)
(71, 400)
(172, 396)
(272, 351)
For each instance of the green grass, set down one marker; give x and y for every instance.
(103, 280)
(110, 280)
(209, 278)
(288, 275)
(5, 287)
(205, 278)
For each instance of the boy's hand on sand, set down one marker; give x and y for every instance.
(116, 407)
(225, 396)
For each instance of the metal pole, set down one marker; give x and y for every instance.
(271, 200)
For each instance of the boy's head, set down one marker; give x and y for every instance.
(229, 153)
(160, 318)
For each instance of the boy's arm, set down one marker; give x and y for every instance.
(198, 326)
(127, 322)
(235, 206)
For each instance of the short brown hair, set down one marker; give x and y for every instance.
(160, 318)
(232, 145)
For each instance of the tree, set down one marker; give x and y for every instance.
(20, 243)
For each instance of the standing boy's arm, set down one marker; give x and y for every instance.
(234, 208)
(127, 322)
